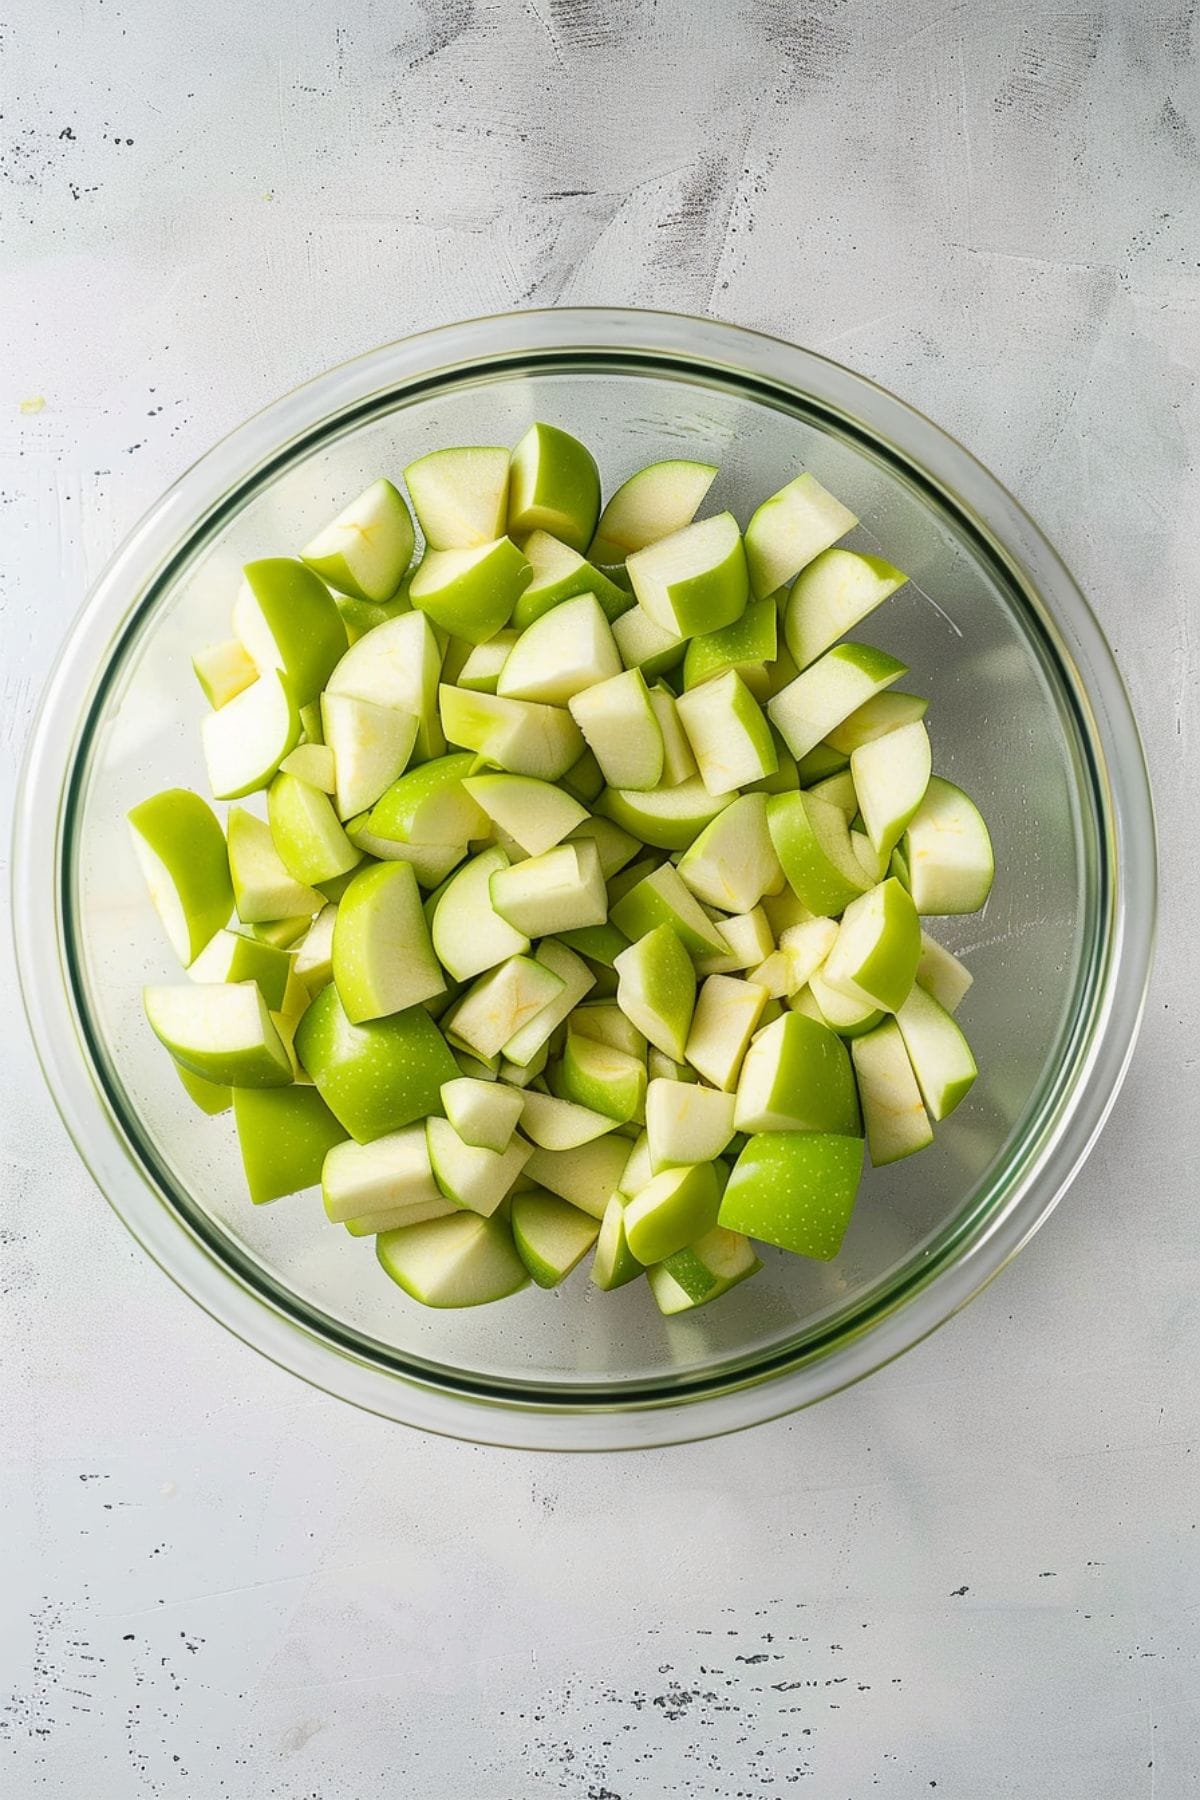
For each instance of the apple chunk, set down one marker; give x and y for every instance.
(554, 485)
(222, 1032)
(366, 550)
(459, 1261)
(795, 1189)
(382, 957)
(284, 1135)
(182, 852)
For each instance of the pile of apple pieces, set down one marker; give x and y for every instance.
(586, 911)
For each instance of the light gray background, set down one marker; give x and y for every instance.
(980, 1572)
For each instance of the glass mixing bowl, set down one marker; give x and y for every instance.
(1027, 711)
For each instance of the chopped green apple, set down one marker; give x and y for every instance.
(484, 1113)
(378, 1076)
(686, 1123)
(874, 957)
(223, 670)
(552, 1236)
(369, 746)
(561, 890)
(661, 898)
(245, 742)
(587, 1176)
(746, 647)
(941, 974)
(828, 690)
(672, 1211)
(748, 936)
(703, 1272)
(729, 736)
(207, 1095)
(181, 849)
(830, 597)
(830, 1006)
(893, 1111)
(790, 529)
(603, 1080)
(694, 581)
(284, 1135)
(655, 503)
(728, 1013)
(561, 654)
(478, 666)
(391, 1174)
(621, 729)
(837, 790)
(645, 645)
(289, 621)
(891, 775)
(469, 935)
(796, 1076)
(460, 496)
(472, 1178)
(812, 842)
(795, 1189)
(948, 852)
(397, 664)
(560, 573)
(807, 944)
(732, 862)
(678, 762)
(366, 550)
(939, 1053)
(522, 736)
(222, 1032)
(667, 818)
(875, 718)
(313, 961)
(554, 486)
(432, 864)
(431, 805)
(459, 1261)
(312, 763)
(263, 888)
(614, 847)
(470, 593)
(230, 956)
(535, 813)
(657, 989)
(529, 1043)
(496, 1007)
(383, 960)
(306, 832)
(614, 1264)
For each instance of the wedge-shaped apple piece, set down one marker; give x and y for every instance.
(306, 832)
(522, 736)
(749, 940)
(472, 1178)
(746, 647)
(554, 1124)
(828, 691)
(586, 1176)
(603, 1021)
(830, 1007)
(893, 1111)
(223, 670)
(378, 1076)
(560, 573)
(732, 862)
(948, 852)
(431, 805)
(637, 1172)
(703, 1272)
(663, 899)
(554, 486)
(312, 763)
(672, 1211)
(289, 621)
(460, 496)
(941, 974)
(657, 989)
(370, 746)
(432, 864)
(392, 1173)
(645, 645)
(561, 654)
(535, 813)
(492, 1011)
(470, 592)
(678, 762)
(621, 729)
(796, 1076)
(668, 818)
(482, 665)
(561, 890)
(614, 847)
(366, 550)
(614, 1264)
(728, 1013)
(221, 1032)
(382, 957)
(484, 1113)
(792, 528)
(686, 1123)
(397, 1217)
(830, 597)
(181, 849)
(527, 1045)
(552, 1236)
(878, 945)
(230, 956)
(469, 935)
(245, 742)
(729, 736)
(875, 718)
(460, 1261)
(655, 503)
(939, 1053)
(694, 581)
(812, 842)
(891, 775)
(284, 1135)
(837, 790)
(397, 665)
(604, 1080)
(313, 961)
(795, 1189)
(263, 888)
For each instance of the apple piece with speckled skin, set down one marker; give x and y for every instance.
(794, 1189)
(378, 1076)
(181, 848)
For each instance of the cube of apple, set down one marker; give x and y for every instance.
(875, 718)
(397, 664)
(694, 581)
(657, 989)
(230, 956)
(727, 1015)
(653, 504)
(469, 935)
(686, 1123)
(796, 1076)
(522, 736)
(382, 957)
(247, 739)
(792, 528)
(561, 654)
(621, 729)
(745, 647)
(561, 890)
(470, 592)
(528, 1044)
(672, 1211)
(604, 1080)
(459, 1261)
(560, 573)
(729, 736)
(289, 622)
(795, 1189)
(306, 832)
(223, 670)
(366, 550)
(460, 496)
(554, 1124)
(645, 645)
(369, 747)
(587, 1176)
(222, 1032)
(473, 1178)
(941, 974)
(284, 1135)
(484, 1113)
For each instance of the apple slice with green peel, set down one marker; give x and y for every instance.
(837, 790)
(207, 1095)
(432, 864)
(745, 647)
(383, 960)
(941, 974)
(397, 664)
(829, 690)
(796, 1076)
(459, 1261)
(891, 775)
(812, 842)
(366, 550)
(289, 621)
(703, 1272)
(284, 1135)
(645, 645)
(732, 862)
(522, 736)
(471, 592)
(481, 666)
(369, 747)
(727, 1015)
(874, 958)
(875, 718)
(554, 1124)
(672, 1211)
(228, 956)
(472, 1178)
(729, 735)
(749, 940)
(282, 933)
(361, 616)
(306, 832)
(893, 1111)
(460, 496)
(312, 763)
(263, 889)
(501, 1002)
(808, 944)
(222, 1032)
(678, 763)
(790, 529)
(181, 849)
(484, 1113)
(560, 573)
(223, 670)
(554, 485)
(397, 1217)
(469, 935)
(657, 989)
(587, 1176)
(948, 852)
(431, 805)
(621, 729)
(552, 1236)
(939, 1053)
(561, 654)
(694, 581)
(313, 961)
(561, 890)
(245, 742)
(875, 863)
(604, 1080)
(830, 597)
(637, 1172)
(517, 1075)
(614, 847)
(686, 1124)
(527, 1045)
(667, 818)
(795, 1189)
(783, 910)
(655, 503)
(378, 1076)
(614, 1264)
(842, 1013)
(661, 898)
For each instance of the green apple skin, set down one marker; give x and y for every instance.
(812, 842)
(470, 593)
(263, 889)
(366, 550)
(672, 1211)
(602, 1079)
(288, 620)
(551, 1236)
(663, 899)
(878, 947)
(430, 805)
(221, 1031)
(183, 854)
(462, 1260)
(848, 1016)
(646, 645)
(558, 575)
(230, 956)
(603, 1021)
(483, 1113)
(614, 1264)
(378, 1076)
(307, 833)
(207, 1095)
(522, 737)
(460, 495)
(669, 818)
(875, 718)
(947, 852)
(382, 957)
(694, 582)
(746, 646)
(650, 505)
(796, 1190)
(832, 595)
(496, 1006)
(796, 1076)
(828, 691)
(284, 1135)
(554, 486)
(702, 1272)
(657, 989)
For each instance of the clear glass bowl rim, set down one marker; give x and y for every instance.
(1043, 1163)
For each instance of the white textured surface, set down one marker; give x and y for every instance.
(978, 1573)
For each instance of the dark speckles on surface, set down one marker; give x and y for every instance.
(1051, 60)
(442, 22)
(958, 1592)
(1174, 130)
